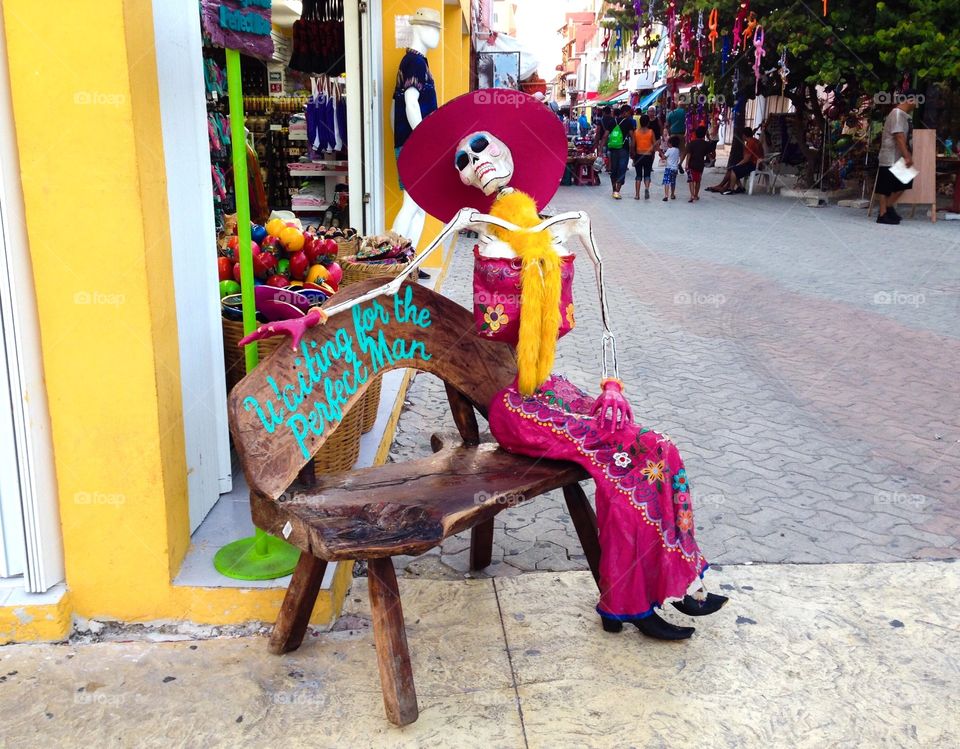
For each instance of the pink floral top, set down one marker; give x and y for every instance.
(496, 297)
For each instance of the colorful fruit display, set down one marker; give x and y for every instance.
(285, 256)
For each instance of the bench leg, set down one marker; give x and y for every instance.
(481, 545)
(298, 604)
(390, 638)
(585, 521)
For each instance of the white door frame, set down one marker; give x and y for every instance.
(371, 56)
(13, 551)
(193, 238)
(29, 470)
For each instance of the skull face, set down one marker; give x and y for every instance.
(484, 161)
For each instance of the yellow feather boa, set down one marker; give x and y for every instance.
(540, 289)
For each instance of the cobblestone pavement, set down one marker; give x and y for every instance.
(805, 360)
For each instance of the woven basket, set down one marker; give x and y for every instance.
(354, 271)
(348, 247)
(341, 451)
(371, 403)
(233, 357)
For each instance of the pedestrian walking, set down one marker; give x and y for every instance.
(672, 156)
(599, 141)
(654, 121)
(644, 147)
(677, 125)
(697, 152)
(895, 144)
(618, 132)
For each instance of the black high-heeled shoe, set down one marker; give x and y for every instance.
(692, 607)
(651, 626)
(611, 625)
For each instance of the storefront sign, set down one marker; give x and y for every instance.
(243, 25)
(276, 78)
(381, 335)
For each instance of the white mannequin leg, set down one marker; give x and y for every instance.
(409, 220)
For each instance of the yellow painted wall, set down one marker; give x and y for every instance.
(450, 66)
(92, 172)
(106, 316)
(50, 622)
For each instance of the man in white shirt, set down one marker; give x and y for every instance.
(894, 144)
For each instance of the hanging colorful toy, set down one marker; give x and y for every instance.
(699, 36)
(725, 55)
(671, 21)
(714, 23)
(685, 35)
(784, 71)
(638, 12)
(749, 30)
(758, 54)
(738, 24)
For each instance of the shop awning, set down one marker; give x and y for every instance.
(647, 100)
(617, 97)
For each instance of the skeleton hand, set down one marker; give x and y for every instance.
(612, 400)
(295, 328)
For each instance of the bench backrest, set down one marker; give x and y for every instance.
(282, 413)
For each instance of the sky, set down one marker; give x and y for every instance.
(537, 24)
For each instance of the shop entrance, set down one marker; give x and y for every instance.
(322, 184)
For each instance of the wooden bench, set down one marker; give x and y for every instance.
(282, 412)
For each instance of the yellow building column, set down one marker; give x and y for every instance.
(88, 133)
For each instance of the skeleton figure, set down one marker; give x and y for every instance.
(485, 162)
(644, 509)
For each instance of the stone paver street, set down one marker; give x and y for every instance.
(804, 359)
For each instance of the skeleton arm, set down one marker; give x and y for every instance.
(466, 218)
(577, 224)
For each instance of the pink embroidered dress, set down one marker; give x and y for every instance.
(644, 509)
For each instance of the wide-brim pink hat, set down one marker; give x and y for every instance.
(530, 130)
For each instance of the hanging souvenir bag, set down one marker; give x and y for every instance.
(318, 43)
(306, 36)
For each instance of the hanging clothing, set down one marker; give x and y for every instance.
(414, 72)
(326, 116)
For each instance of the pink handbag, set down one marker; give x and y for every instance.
(496, 297)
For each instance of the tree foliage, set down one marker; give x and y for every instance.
(859, 47)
